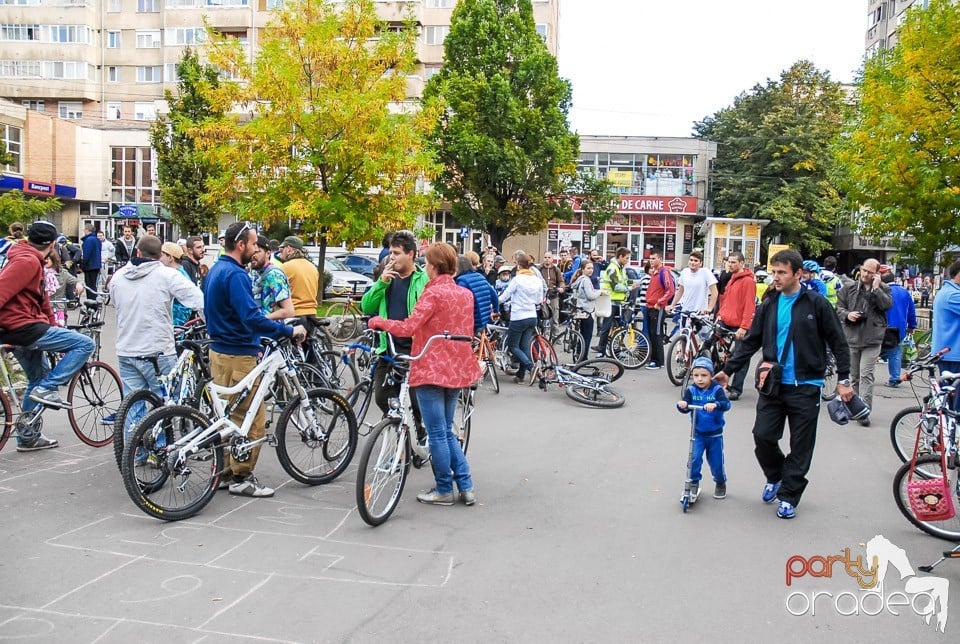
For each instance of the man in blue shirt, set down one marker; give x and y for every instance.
(946, 320)
(791, 327)
(903, 316)
(91, 259)
(235, 324)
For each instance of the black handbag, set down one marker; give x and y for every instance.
(891, 337)
(544, 311)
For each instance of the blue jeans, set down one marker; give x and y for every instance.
(437, 405)
(520, 334)
(713, 446)
(76, 349)
(894, 358)
(137, 374)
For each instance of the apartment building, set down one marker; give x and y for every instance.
(883, 20)
(104, 64)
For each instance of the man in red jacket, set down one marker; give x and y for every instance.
(659, 295)
(737, 306)
(27, 323)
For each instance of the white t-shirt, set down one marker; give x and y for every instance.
(696, 288)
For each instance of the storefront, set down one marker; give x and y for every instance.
(645, 225)
(724, 236)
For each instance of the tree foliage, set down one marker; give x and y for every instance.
(773, 156)
(504, 138)
(900, 157)
(6, 158)
(15, 206)
(326, 138)
(183, 172)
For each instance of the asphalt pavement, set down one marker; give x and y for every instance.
(578, 536)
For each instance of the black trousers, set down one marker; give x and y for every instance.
(90, 279)
(383, 391)
(654, 321)
(800, 404)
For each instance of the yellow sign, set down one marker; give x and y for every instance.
(752, 231)
(772, 250)
(721, 230)
(620, 178)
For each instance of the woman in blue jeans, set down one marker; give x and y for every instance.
(524, 293)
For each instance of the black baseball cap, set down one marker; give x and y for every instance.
(263, 242)
(42, 232)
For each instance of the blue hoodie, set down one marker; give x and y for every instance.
(946, 320)
(709, 423)
(903, 313)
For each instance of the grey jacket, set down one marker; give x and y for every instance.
(873, 303)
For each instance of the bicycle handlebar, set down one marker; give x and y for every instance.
(927, 363)
(441, 336)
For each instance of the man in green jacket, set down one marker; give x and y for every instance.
(393, 297)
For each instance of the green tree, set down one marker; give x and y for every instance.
(6, 158)
(184, 173)
(504, 140)
(331, 141)
(774, 159)
(900, 158)
(15, 206)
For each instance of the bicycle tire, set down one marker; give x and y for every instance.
(599, 367)
(491, 371)
(606, 398)
(568, 345)
(343, 376)
(389, 448)
(121, 428)
(362, 395)
(99, 385)
(7, 428)
(630, 347)
(678, 359)
(829, 389)
(335, 444)
(903, 433)
(149, 481)
(344, 325)
(462, 418)
(928, 467)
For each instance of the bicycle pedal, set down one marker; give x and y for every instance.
(271, 440)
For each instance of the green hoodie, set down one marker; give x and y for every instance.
(375, 299)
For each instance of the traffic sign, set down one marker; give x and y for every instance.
(464, 232)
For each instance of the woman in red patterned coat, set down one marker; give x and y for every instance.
(438, 377)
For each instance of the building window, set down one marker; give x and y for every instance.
(113, 74)
(436, 34)
(148, 6)
(115, 6)
(113, 111)
(225, 3)
(65, 34)
(132, 175)
(113, 40)
(239, 35)
(544, 30)
(441, 4)
(429, 71)
(274, 4)
(19, 32)
(151, 74)
(180, 3)
(170, 73)
(68, 70)
(71, 109)
(145, 111)
(11, 142)
(20, 68)
(185, 36)
(148, 38)
(36, 106)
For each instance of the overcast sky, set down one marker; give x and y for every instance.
(652, 67)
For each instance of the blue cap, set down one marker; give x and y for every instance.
(702, 362)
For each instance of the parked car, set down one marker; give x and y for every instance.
(343, 279)
(358, 263)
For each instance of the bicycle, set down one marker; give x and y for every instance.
(484, 348)
(173, 462)
(628, 344)
(345, 316)
(587, 382)
(687, 346)
(923, 418)
(568, 341)
(392, 448)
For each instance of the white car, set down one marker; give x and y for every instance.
(344, 279)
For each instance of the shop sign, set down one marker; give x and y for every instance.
(620, 178)
(37, 187)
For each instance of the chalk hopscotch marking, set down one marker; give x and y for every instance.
(168, 586)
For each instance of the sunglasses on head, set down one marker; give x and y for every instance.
(242, 231)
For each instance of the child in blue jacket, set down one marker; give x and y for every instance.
(708, 432)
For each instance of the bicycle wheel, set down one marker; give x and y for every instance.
(315, 444)
(344, 325)
(601, 397)
(542, 355)
(928, 467)
(343, 376)
(491, 371)
(462, 417)
(131, 410)
(158, 482)
(679, 357)
(568, 345)
(605, 368)
(7, 428)
(630, 347)
(94, 393)
(829, 389)
(903, 432)
(382, 471)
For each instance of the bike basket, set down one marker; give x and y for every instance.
(930, 499)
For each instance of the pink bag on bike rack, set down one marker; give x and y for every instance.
(930, 499)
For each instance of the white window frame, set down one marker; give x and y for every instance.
(543, 29)
(154, 75)
(13, 145)
(67, 70)
(148, 39)
(114, 109)
(170, 73)
(441, 4)
(114, 6)
(72, 110)
(148, 6)
(182, 36)
(113, 73)
(19, 33)
(36, 106)
(435, 34)
(114, 38)
(145, 111)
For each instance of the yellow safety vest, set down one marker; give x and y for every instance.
(607, 285)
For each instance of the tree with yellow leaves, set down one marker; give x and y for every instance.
(900, 158)
(321, 131)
